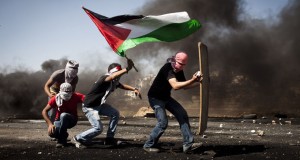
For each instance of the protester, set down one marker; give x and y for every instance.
(65, 105)
(171, 76)
(94, 105)
(69, 74)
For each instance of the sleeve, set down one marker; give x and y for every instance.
(80, 97)
(52, 102)
(181, 76)
(170, 75)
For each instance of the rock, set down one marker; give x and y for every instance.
(249, 116)
(145, 112)
(260, 133)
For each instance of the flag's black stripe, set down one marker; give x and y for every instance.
(114, 20)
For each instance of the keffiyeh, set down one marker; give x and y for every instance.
(65, 94)
(71, 70)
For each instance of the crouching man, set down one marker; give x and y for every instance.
(65, 104)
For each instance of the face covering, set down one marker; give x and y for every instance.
(65, 94)
(61, 97)
(71, 71)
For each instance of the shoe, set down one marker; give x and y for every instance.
(193, 147)
(151, 150)
(110, 141)
(60, 144)
(77, 143)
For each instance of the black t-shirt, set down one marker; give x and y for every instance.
(98, 90)
(161, 88)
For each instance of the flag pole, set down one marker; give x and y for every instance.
(133, 65)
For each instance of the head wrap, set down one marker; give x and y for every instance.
(113, 70)
(65, 94)
(172, 61)
(180, 58)
(71, 70)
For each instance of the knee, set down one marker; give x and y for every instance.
(116, 115)
(98, 128)
(163, 124)
(63, 116)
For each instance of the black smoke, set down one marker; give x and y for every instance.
(254, 63)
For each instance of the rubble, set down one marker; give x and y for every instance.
(234, 140)
(249, 116)
(260, 133)
(144, 112)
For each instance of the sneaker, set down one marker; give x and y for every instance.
(60, 144)
(110, 141)
(151, 150)
(77, 143)
(193, 147)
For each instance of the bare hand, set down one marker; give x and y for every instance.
(51, 129)
(198, 76)
(138, 93)
(52, 94)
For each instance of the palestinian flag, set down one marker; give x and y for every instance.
(127, 31)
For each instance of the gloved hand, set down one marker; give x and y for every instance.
(130, 64)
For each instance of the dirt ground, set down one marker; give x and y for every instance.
(232, 139)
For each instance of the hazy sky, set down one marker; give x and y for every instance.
(33, 31)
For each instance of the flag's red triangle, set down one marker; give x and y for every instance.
(114, 35)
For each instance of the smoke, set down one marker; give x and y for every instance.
(254, 64)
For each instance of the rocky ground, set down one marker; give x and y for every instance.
(263, 138)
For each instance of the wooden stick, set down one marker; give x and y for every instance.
(200, 95)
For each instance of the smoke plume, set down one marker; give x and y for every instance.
(254, 64)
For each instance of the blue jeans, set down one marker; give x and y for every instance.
(180, 114)
(93, 115)
(65, 121)
(52, 114)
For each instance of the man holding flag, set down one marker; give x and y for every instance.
(95, 105)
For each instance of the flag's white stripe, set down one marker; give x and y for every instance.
(148, 24)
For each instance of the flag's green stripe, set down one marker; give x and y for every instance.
(168, 33)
